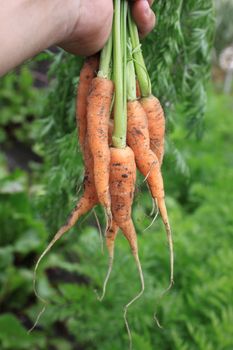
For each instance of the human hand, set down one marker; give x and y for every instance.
(92, 22)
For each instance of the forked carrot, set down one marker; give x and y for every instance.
(122, 186)
(87, 73)
(88, 200)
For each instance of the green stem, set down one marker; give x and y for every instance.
(105, 60)
(142, 74)
(131, 78)
(120, 121)
(124, 52)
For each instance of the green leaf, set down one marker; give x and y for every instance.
(12, 334)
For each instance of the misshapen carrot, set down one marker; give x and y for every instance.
(122, 186)
(156, 125)
(88, 200)
(87, 73)
(98, 115)
(148, 164)
(122, 183)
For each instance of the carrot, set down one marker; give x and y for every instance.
(86, 202)
(156, 124)
(98, 115)
(122, 185)
(148, 164)
(87, 73)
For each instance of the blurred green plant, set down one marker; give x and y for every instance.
(178, 55)
(20, 102)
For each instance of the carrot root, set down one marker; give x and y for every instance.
(154, 218)
(163, 212)
(134, 299)
(37, 319)
(80, 209)
(110, 239)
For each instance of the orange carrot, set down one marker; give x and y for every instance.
(98, 115)
(148, 164)
(110, 238)
(87, 73)
(88, 200)
(156, 125)
(122, 185)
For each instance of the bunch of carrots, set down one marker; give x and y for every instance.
(121, 128)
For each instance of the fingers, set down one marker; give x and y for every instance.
(143, 16)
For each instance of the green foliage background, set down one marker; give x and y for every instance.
(198, 312)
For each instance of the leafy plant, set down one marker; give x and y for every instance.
(20, 102)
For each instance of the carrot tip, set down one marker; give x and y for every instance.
(135, 298)
(100, 298)
(37, 319)
(155, 217)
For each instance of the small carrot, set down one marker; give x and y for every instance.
(98, 115)
(88, 200)
(148, 164)
(122, 186)
(156, 124)
(87, 73)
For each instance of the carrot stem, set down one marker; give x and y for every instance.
(142, 74)
(131, 78)
(105, 60)
(120, 120)
(124, 51)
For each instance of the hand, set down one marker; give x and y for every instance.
(92, 23)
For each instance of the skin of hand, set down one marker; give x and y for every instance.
(81, 27)
(94, 21)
